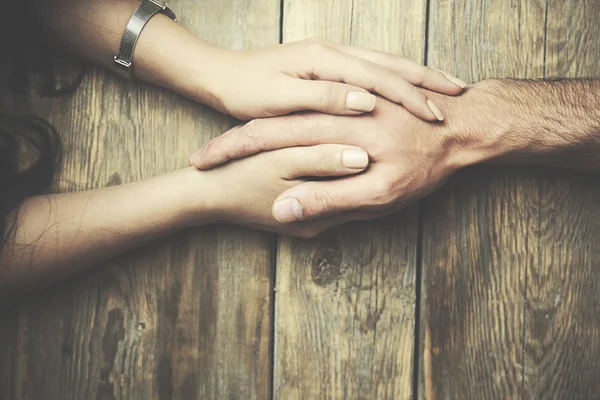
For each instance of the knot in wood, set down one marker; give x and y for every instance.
(326, 263)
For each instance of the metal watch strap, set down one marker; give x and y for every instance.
(148, 8)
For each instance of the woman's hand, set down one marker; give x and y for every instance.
(318, 75)
(242, 192)
(312, 74)
(59, 234)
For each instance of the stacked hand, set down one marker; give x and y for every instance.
(409, 158)
(371, 138)
(317, 75)
(332, 79)
(243, 191)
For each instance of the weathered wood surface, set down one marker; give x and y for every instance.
(562, 317)
(189, 317)
(345, 301)
(510, 300)
(510, 263)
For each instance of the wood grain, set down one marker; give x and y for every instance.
(509, 305)
(481, 231)
(562, 337)
(189, 317)
(345, 301)
(8, 339)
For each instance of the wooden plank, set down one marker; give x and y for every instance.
(562, 340)
(480, 232)
(345, 301)
(8, 330)
(189, 317)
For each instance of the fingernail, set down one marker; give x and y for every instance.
(435, 110)
(457, 81)
(288, 210)
(453, 79)
(355, 159)
(360, 101)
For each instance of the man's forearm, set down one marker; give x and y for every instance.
(555, 123)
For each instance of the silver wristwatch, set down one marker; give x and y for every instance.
(123, 61)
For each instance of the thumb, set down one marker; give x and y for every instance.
(328, 97)
(320, 199)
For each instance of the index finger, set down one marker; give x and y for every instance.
(417, 74)
(259, 135)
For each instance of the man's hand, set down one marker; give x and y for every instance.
(527, 122)
(409, 159)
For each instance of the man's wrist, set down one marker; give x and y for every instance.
(555, 123)
(481, 125)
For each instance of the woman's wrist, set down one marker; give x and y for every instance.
(202, 74)
(200, 201)
(170, 56)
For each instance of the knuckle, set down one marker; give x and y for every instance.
(230, 155)
(316, 47)
(288, 126)
(327, 96)
(419, 78)
(254, 137)
(378, 75)
(324, 201)
(324, 163)
(252, 129)
(428, 75)
(421, 75)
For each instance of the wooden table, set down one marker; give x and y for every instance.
(489, 289)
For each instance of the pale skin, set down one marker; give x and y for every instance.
(500, 121)
(313, 74)
(58, 235)
(551, 123)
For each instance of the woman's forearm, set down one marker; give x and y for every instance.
(57, 235)
(92, 29)
(313, 74)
